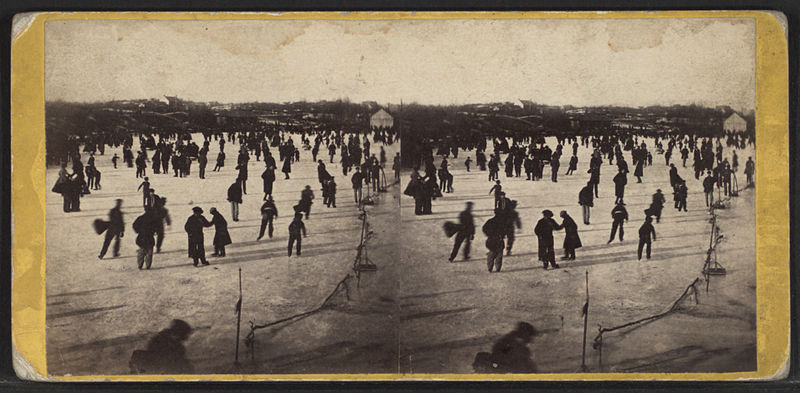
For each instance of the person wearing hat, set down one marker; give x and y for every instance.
(165, 353)
(657, 205)
(620, 180)
(619, 214)
(221, 236)
(571, 238)
(295, 229)
(645, 232)
(510, 354)
(465, 234)
(586, 200)
(162, 215)
(145, 187)
(497, 188)
(511, 215)
(544, 232)
(235, 198)
(145, 227)
(358, 183)
(194, 229)
(268, 213)
(115, 231)
(494, 229)
(306, 198)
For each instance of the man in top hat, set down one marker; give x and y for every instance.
(544, 232)
(194, 229)
(619, 214)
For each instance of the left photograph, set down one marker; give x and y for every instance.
(222, 198)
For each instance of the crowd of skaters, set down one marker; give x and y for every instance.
(158, 151)
(533, 155)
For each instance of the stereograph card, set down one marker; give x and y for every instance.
(400, 196)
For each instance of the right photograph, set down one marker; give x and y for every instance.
(578, 195)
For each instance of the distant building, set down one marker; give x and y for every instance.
(734, 123)
(381, 119)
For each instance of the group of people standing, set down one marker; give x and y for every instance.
(499, 229)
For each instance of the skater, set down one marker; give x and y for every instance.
(465, 234)
(357, 180)
(512, 219)
(468, 162)
(498, 193)
(145, 227)
(544, 232)
(194, 229)
(114, 160)
(573, 165)
(221, 236)
(287, 166)
(268, 176)
(645, 231)
(594, 179)
(639, 171)
(331, 190)
(162, 216)
(571, 238)
(619, 214)
(235, 198)
(115, 231)
(145, 187)
(657, 205)
(295, 229)
(620, 180)
(749, 170)
(202, 160)
(268, 213)
(220, 160)
(680, 195)
(306, 198)
(708, 188)
(494, 229)
(242, 176)
(586, 200)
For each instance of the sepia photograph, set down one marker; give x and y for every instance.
(400, 196)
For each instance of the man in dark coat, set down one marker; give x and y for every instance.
(510, 354)
(269, 177)
(165, 353)
(194, 228)
(544, 232)
(296, 227)
(162, 216)
(571, 238)
(287, 166)
(657, 205)
(115, 231)
(586, 200)
(145, 227)
(221, 236)
(465, 234)
(645, 232)
(268, 213)
(619, 214)
(594, 179)
(202, 160)
(620, 180)
(512, 220)
(708, 188)
(235, 198)
(242, 176)
(306, 200)
(494, 229)
(358, 184)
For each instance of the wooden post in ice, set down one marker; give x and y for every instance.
(238, 317)
(585, 323)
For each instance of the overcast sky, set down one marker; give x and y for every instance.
(558, 62)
